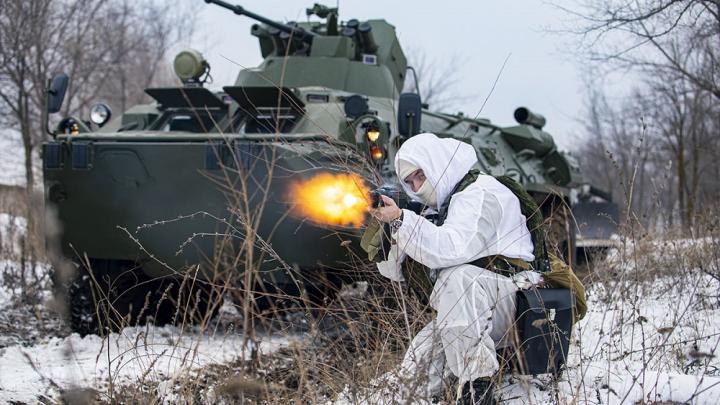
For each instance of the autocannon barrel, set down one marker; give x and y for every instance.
(305, 36)
(527, 117)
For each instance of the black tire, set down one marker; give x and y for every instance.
(81, 306)
(113, 294)
(108, 295)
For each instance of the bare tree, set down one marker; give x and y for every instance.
(678, 37)
(684, 117)
(146, 35)
(110, 49)
(674, 46)
(617, 151)
(657, 149)
(438, 82)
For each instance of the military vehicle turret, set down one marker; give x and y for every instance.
(263, 184)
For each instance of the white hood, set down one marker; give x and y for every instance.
(445, 161)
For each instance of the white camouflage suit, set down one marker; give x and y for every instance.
(475, 307)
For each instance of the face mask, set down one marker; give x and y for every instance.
(427, 194)
(405, 169)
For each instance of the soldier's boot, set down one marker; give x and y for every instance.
(480, 391)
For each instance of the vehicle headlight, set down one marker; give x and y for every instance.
(190, 65)
(373, 134)
(100, 114)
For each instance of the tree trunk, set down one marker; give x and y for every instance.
(681, 182)
(693, 192)
(31, 233)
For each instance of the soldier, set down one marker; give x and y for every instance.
(479, 221)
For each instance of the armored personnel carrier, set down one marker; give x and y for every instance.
(262, 186)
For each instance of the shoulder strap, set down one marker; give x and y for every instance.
(469, 179)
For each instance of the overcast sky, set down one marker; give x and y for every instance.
(541, 73)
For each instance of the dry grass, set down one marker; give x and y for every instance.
(350, 348)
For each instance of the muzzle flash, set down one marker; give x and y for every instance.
(332, 199)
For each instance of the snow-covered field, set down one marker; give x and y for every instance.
(41, 359)
(656, 345)
(643, 341)
(134, 356)
(650, 336)
(12, 230)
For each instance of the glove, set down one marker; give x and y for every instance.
(372, 240)
(392, 268)
(527, 279)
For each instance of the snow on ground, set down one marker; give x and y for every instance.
(648, 347)
(12, 224)
(655, 347)
(41, 360)
(10, 275)
(651, 334)
(136, 355)
(38, 358)
(645, 338)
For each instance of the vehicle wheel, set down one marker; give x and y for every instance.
(109, 295)
(73, 299)
(560, 230)
(321, 290)
(81, 306)
(119, 294)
